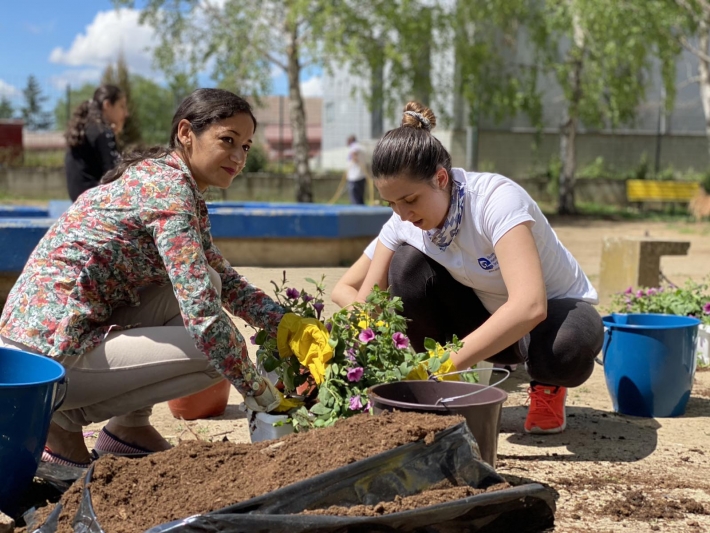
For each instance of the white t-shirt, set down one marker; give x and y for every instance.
(354, 167)
(493, 206)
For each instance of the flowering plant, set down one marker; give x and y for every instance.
(366, 345)
(691, 300)
(369, 347)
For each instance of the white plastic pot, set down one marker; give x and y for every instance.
(703, 346)
(261, 426)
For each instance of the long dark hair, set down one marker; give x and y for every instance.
(201, 108)
(411, 149)
(90, 111)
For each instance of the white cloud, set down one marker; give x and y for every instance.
(76, 77)
(111, 33)
(312, 86)
(8, 91)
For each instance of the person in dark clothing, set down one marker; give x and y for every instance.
(91, 139)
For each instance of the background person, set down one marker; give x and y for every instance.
(356, 176)
(126, 290)
(91, 138)
(472, 255)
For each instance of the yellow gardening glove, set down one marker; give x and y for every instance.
(446, 367)
(418, 372)
(286, 404)
(307, 339)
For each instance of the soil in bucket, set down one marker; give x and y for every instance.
(481, 410)
(197, 477)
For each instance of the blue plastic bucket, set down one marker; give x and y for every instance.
(32, 387)
(649, 362)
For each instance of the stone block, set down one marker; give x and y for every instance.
(7, 524)
(634, 262)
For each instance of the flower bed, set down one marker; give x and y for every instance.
(693, 299)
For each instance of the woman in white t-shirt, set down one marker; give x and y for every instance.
(471, 254)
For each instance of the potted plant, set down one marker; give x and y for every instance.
(693, 299)
(367, 345)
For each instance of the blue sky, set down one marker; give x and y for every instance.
(65, 42)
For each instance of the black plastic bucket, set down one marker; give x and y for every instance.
(480, 405)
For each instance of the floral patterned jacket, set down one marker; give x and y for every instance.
(150, 227)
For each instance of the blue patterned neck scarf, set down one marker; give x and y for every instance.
(444, 236)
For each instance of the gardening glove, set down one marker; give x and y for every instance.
(287, 404)
(307, 339)
(446, 367)
(267, 401)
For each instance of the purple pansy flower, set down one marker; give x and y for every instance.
(252, 339)
(355, 403)
(307, 298)
(355, 374)
(706, 308)
(652, 292)
(292, 294)
(640, 294)
(366, 335)
(630, 290)
(367, 406)
(350, 354)
(329, 326)
(400, 340)
(318, 306)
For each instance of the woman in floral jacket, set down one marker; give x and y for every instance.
(127, 289)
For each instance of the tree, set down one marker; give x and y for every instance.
(6, 109)
(390, 43)
(694, 21)
(601, 54)
(244, 40)
(76, 97)
(155, 105)
(119, 76)
(32, 113)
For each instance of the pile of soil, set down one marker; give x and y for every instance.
(196, 477)
(639, 506)
(441, 494)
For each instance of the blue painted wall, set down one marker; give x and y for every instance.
(22, 227)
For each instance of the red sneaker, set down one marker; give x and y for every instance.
(546, 413)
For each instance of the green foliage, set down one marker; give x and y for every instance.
(257, 160)
(155, 106)
(32, 113)
(6, 109)
(693, 299)
(76, 97)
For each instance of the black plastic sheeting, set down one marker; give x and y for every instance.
(406, 470)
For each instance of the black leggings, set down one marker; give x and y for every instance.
(561, 348)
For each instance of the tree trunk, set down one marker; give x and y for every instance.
(568, 131)
(304, 187)
(421, 84)
(704, 74)
(377, 96)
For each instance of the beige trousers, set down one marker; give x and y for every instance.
(132, 370)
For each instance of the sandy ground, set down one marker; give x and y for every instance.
(603, 458)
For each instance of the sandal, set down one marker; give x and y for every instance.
(48, 456)
(110, 444)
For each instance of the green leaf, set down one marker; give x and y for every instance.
(320, 409)
(434, 365)
(271, 363)
(261, 337)
(429, 344)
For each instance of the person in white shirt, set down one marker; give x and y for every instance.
(355, 173)
(472, 255)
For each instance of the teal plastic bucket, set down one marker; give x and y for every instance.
(32, 387)
(649, 362)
